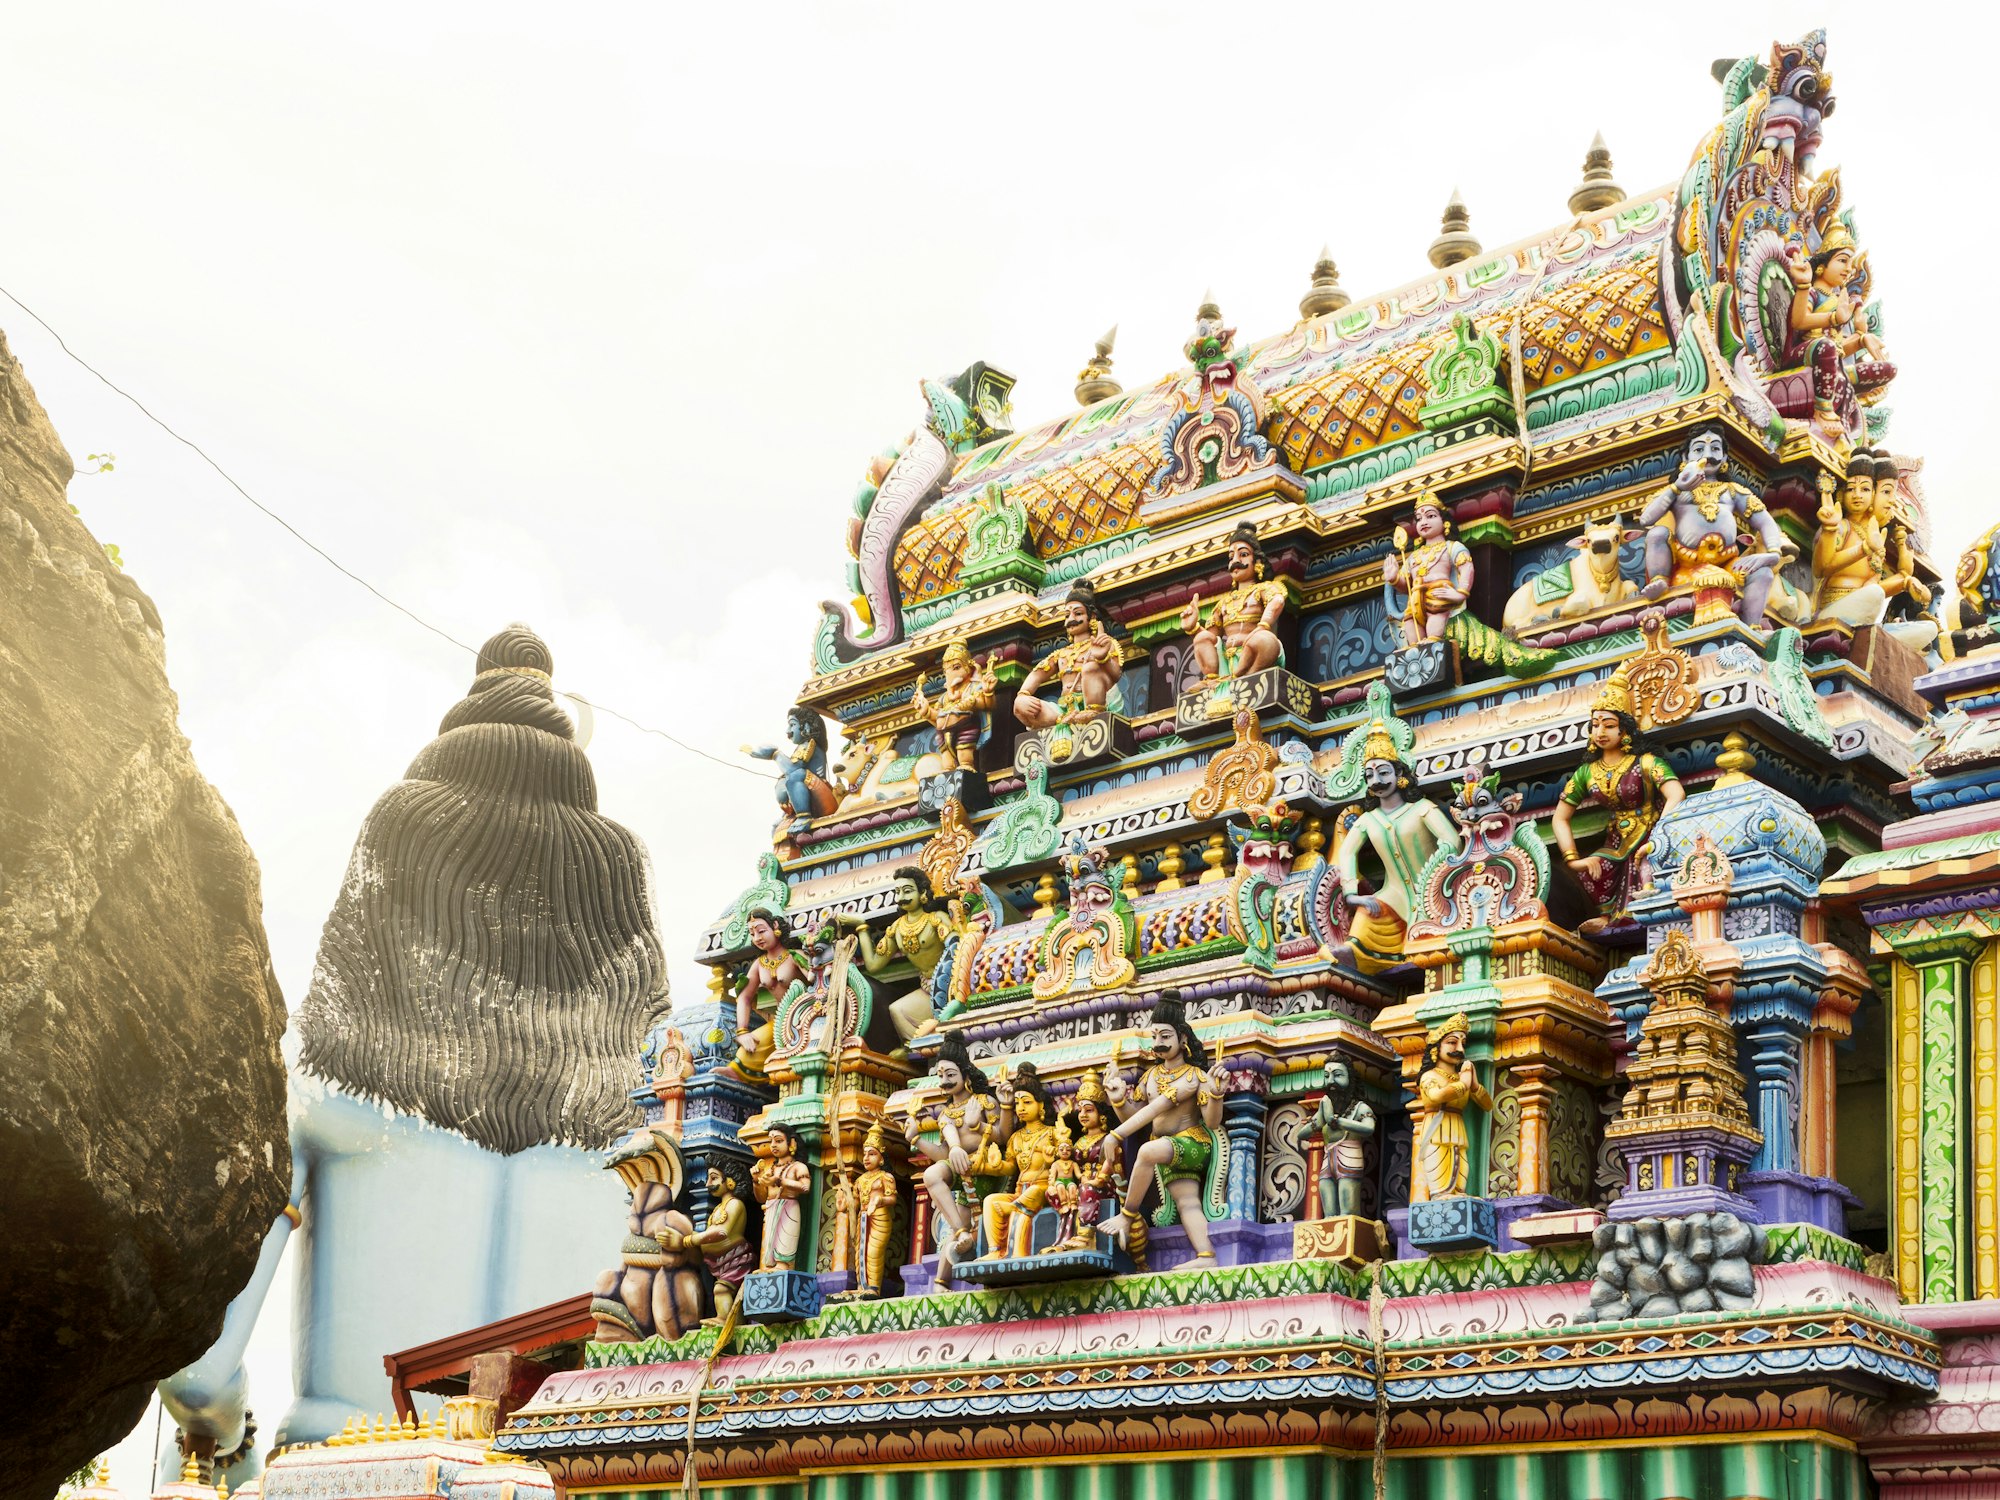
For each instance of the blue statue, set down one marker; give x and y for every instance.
(803, 789)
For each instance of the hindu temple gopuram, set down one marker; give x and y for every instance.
(1410, 909)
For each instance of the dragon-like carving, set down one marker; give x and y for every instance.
(969, 409)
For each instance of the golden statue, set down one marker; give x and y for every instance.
(1031, 1151)
(1240, 636)
(1446, 1086)
(960, 713)
(870, 1200)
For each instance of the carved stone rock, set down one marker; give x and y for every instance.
(143, 1150)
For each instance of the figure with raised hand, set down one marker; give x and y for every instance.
(1403, 830)
(1434, 576)
(1240, 635)
(1177, 1106)
(1705, 523)
(1087, 666)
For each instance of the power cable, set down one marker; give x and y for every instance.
(335, 563)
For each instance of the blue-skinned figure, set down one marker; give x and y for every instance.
(803, 790)
(465, 1054)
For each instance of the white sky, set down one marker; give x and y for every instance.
(588, 316)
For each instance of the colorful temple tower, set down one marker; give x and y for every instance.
(1408, 910)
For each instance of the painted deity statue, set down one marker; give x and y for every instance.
(1702, 519)
(1447, 1087)
(725, 1240)
(803, 788)
(1178, 1104)
(916, 933)
(960, 714)
(1240, 636)
(1087, 665)
(1009, 1216)
(1100, 1178)
(1065, 1190)
(1403, 830)
(1861, 557)
(774, 968)
(1434, 576)
(1826, 331)
(656, 1287)
(870, 1202)
(781, 1181)
(1345, 1125)
(1633, 785)
(967, 1122)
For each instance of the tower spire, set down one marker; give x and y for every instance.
(1326, 294)
(1598, 189)
(1456, 242)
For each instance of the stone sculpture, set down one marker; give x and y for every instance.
(1239, 634)
(1434, 577)
(1660, 1268)
(1087, 666)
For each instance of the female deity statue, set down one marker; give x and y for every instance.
(774, 968)
(1630, 782)
(1241, 634)
(803, 788)
(1446, 1087)
(781, 1181)
(966, 1120)
(1099, 1157)
(1825, 335)
(871, 1199)
(960, 714)
(1435, 576)
(1030, 1153)
(1404, 831)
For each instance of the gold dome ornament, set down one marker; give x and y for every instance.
(1597, 190)
(1325, 295)
(1093, 381)
(1457, 241)
(1613, 698)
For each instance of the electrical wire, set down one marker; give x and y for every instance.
(335, 563)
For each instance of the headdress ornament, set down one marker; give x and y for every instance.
(877, 1139)
(1380, 745)
(1614, 697)
(956, 655)
(1458, 1023)
(1835, 239)
(1092, 1088)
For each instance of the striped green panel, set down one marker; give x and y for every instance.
(1288, 1476)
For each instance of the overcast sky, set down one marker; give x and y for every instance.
(589, 316)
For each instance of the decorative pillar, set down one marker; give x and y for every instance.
(1535, 1087)
(1239, 1238)
(1315, 1162)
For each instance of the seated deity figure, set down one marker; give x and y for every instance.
(1634, 785)
(1009, 1216)
(959, 715)
(1826, 333)
(916, 933)
(1087, 666)
(1447, 1086)
(1403, 830)
(1700, 520)
(1435, 576)
(656, 1287)
(1178, 1104)
(775, 967)
(803, 788)
(781, 1181)
(968, 1121)
(1849, 556)
(1240, 635)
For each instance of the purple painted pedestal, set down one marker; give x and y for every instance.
(1237, 1243)
(1678, 1203)
(1794, 1198)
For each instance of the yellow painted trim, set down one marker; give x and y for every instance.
(1985, 1123)
(1906, 1067)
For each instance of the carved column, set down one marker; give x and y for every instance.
(1315, 1160)
(1535, 1087)
(1243, 1122)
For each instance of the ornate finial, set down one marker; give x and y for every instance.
(1457, 242)
(191, 1470)
(1326, 295)
(1093, 381)
(1209, 308)
(1597, 190)
(1677, 970)
(1735, 762)
(221, 1487)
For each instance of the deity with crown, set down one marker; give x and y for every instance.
(960, 712)
(1240, 635)
(1633, 785)
(1403, 830)
(1828, 332)
(1447, 1086)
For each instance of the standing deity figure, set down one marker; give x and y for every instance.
(1446, 1087)
(1633, 785)
(1699, 521)
(916, 933)
(774, 968)
(960, 714)
(871, 1200)
(1345, 1125)
(1179, 1103)
(1065, 1192)
(1403, 830)
(803, 788)
(656, 1287)
(781, 1180)
(725, 1241)
(1009, 1216)
(1435, 576)
(1087, 666)
(967, 1121)
(1825, 333)
(1240, 637)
